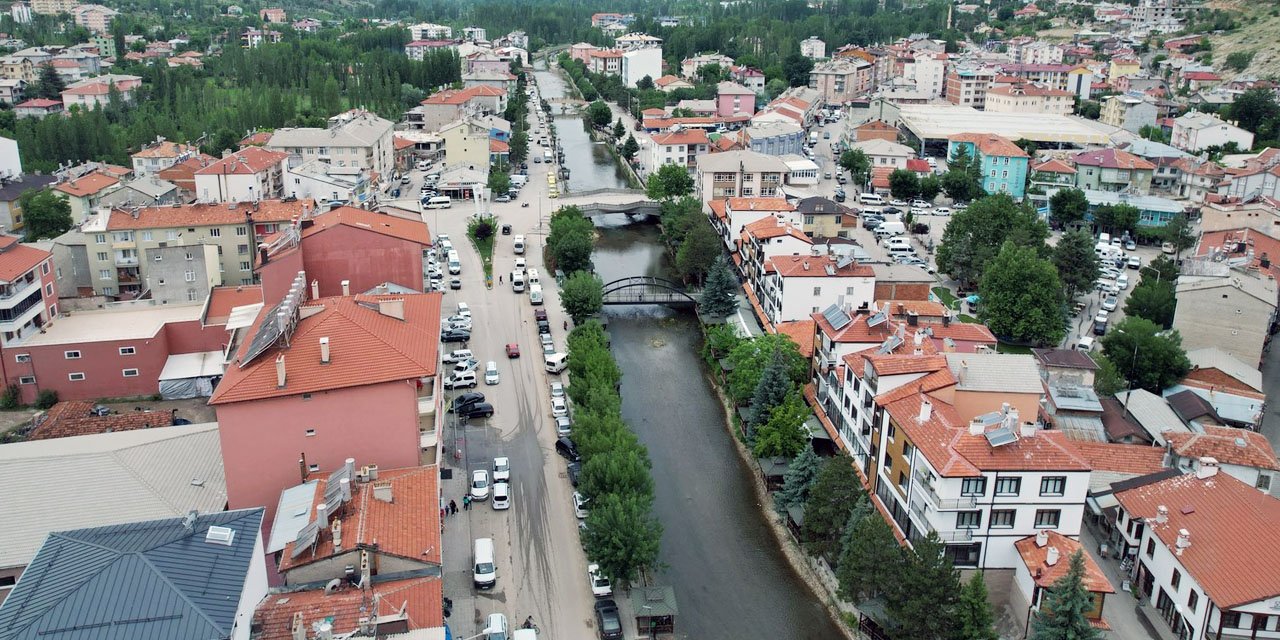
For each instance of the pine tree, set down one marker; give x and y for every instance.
(799, 476)
(769, 393)
(49, 84)
(720, 295)
(973, 613)
(630, 148)
(618, 129)
(870, 558)
(1062, 612)
(921, 603)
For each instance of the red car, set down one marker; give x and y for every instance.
(513, 350)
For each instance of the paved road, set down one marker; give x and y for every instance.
(541, 565)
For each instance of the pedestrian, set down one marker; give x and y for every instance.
(453, 507)
(466, 503)
(499, 278)
(566, 325)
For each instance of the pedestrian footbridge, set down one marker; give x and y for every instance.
(599, 201)
(648, 290)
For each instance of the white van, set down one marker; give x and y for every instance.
(517, 281)
(423, 165)
(535, 294)
(900, 250)
(870, 198)
(555, 362)
(519, 180)
(440, 202)
(484, 572)
(460, 379)
(897, 241)
(455, 265)
(532, 275)
(517, 245)
(890, 228)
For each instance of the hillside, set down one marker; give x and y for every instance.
(1259, 36)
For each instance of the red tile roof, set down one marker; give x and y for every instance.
(1226, 444)
(1111, 159)
(39, 103)
(1133, 459)
(1232, 529)
(801, 333)
(769, 227)
(408, 527)
(402, 228)
(166, 149)
(1054, 165)
(718, 208)
(760, 204)
(421, 598)
(815, 267)
(367, 347)
(498, 146)
(686, 137)
(1247, 240)
(72, 418)
(990, 144)
(919, 166)
(256, 139)
(87, 185)
(856, 331)
(1045, 574)
(246, 161)
(876, 125)
(1027, 89)
(402, 143)
(223, 299)
(16, 259)
(208, 214)
(927, 308)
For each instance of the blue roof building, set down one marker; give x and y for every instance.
(193, 578)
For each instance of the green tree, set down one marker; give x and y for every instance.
(720, 293)
(922, 603)
(598, 114)
(749, 359)
(1062, 615)
(975, 235)
(645, 83)
(45, 213)
(699, 249)
(974, 618)
(1179, 233)
(930, 187)
(796, 68)
(1117, 218)
(831, 499)
(1155, 301)
(499, 180)
(1076, 262)
(783, 434)
(962, 181)
(48, 83)
(570, 240)
(582, 295)
(770, 391)
(1254, 108)
(870, 559)
(1022, 298)
(1162, 269)
(1068, 207)
(799, 477)
(519, 147)
(1153, 133)
(1239, 60)
(619, 470)
(903, 184)
(1144, 355)
(618, 129)
(1107, 381)
(630, 148)
(669, 182)
(856, 162)
(622, 536)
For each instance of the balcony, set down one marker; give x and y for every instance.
(926, 489)
(126, 261)
(123, 244)
(18, 317)
(14, 292)
(958, 535)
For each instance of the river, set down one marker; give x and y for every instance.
(730, 578)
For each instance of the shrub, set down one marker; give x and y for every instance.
(46, 399)
(9, 400)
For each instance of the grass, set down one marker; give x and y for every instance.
(483, 242)
(1002, 347)
(944, 294)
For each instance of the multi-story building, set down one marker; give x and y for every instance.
(53, 7)
(323, 380)
(1029, 98)
(763, 240)
(466, 144)
(28, 292)
(13, 91)
(96, 92)
(968, 86)
(449, 105)
(841, 81)
(730, 216)
(161, 155)
(1196, 178)
(355, 138)
(748, 77)
(417, 49)
(1051, 176)
(1195, 131)
(794, 287)
(252, 38)
(689, 66)
(678, 147)
(1113, 170)
(1003, 163)
(1129, 112)
(1243, 454)
(1041, 52)
(1234, 313)
(605, 61)
(273, 15)
(94, 17)
(639, 63)
(329, 185)
(824, 218)
(250, 174)
(429, 31)
(734, 99)
(775, 138)
(813, 48)
(85, 192)
(1203, 546)
(740, 174)
(883, 153)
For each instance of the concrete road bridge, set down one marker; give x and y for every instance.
(599, 201)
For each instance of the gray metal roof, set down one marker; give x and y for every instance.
(107, 478)
(151, 579)
(292, 514)
(1152, 413)
(653, 601)
(1215, 358)
(995, 372)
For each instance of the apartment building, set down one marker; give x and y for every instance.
(1195, 131)
(115, 240)
(250, 174)
(53, 7)
(161, 155)
(794, 287)
(1113, 170)
(430, 31)
(967, 87)
(355, 138)
(841, 81)
(1129, 112)
(885, 153)
(92, 93)
(813, 48)
(765, 239)
(1003, 163)
(85, 192)
(94, 17)
(775, 138)
(418, 49)
(730, 216)
(639, 63)
(1203, 546)
(689, 66)
(1029, 98)
(1234, 312)
(824, 218)
(28, 292)
(928, 70)
(678, 147)
(734, 99)
(327, 184)
(739, 174)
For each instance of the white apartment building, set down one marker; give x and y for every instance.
(730, 216)
(640, 63)
(429, 31)
(328, 184)
(677, 147)
(356, 138)
(795, 287)
(250, 174)
(813, 48)
(739, 174)
(928, 70)
(766, 239)
(1029, 98)
(1195, 131)
(1204, 546)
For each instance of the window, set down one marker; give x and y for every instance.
(968, 519)
(146, 236)
(817, 291)
(1047, 518)
(1193, 599)
(1053, 485)
(1008, 486)
(215, 233)
(59, 273)
(71, 355)
(245, 266)
(1151, 548)
(75, 377)
(27, 380)
(159, 258)
(100, 238)
(1264, 483)
(191, 295)
(171, 234)
(104, 274)
(1176, 580)
(1003, 518)
(102, 256)
(242, 231)
(44, 269)
(1231, 619)
(808, 219)
(242, 249)
(313, 468)
(893, 431)
(311, 433)
(22, 357)
(127, 351)
(108, 291)
(189, 276)
(973, 486)
(129, 373)
(964, 555)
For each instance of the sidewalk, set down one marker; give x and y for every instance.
(1121, 609)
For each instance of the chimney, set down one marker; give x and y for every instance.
(1042, 538)
(298, 630)
(336, 529)
(1028, 429)
(975, 428)
(324, 631)
(964, 371)
(1184, 540)
(382, 491)
(1208, 468)
(346, 287)
(324, 350)
(322, 514)
(806, 265)
(902, 309)
(315, 289)
(280, 371)
(392, 308)
(366, 572)
(1162, 514)
(373, 472)
(1051, 556)
(926, 410)
(913, 319)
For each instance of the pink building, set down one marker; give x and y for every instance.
(28, 292)
(582, 52)
(734, 99)
(334, 248)
(355, 378)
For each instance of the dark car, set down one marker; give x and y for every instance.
(575, 470)
(506, 229)
(476, 410)
(465, 399)
(566, 448)
(608, 621)
(871, 222)
(455, 335)
(891, 210)
(544, 326)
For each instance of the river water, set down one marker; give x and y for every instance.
(731, 580)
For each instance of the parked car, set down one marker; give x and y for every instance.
(1122, 281)
(608, 621)
(564, 425)
(579, 506)
(1134, 262)
(491, 373)
(458, 355)
(1130, 245)
(502, 198)
(559, 407)
(942, 211)
(501, 470)
(600, 586)
(479, 484)
(455, 335)
(513, 350)
(466, 399)
(899, 203)
(567, 449)
(463, 366)
(455, 283)
(1110, 304)
(557, 390)
(921, 204)
(575, 470)
(477, 410)
(501, 496)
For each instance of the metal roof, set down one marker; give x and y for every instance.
(1152, 413)
(172, 579)
(995, 372)
(103, 479)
